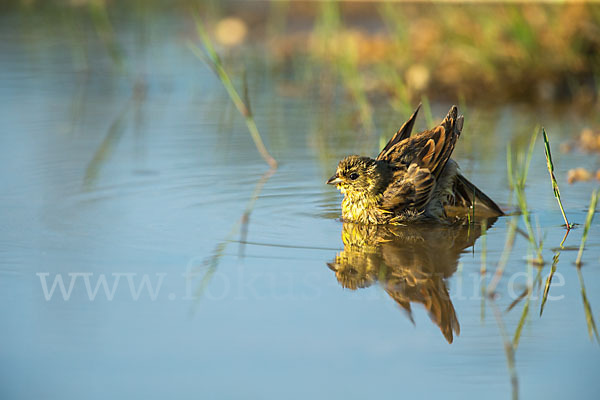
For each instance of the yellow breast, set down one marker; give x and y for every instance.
(362, 208)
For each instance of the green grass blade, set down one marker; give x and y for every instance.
(508, 245)
(524, 314)
(522, 200)
(588, 223)
(524, 172)
(214, 61)
(550, 165)
(509, 167)
(549, 282)
(589, 316)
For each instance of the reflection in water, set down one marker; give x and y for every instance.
(411, 263)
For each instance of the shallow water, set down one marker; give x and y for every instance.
(144, 184)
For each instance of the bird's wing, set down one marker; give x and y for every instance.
(411, 188)
(430, 149)
(403, 133)
(466, 194)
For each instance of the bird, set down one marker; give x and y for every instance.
(413, 179)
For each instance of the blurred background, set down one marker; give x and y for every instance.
(133, 148)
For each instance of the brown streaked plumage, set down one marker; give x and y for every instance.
(411, 263)
(413, 178)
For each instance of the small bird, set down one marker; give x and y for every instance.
(412, 179)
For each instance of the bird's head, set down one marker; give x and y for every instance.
(359, 175)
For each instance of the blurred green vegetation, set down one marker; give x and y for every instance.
(485, 52)
(364, 60)
(365, 64)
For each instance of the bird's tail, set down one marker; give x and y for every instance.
(465, 194)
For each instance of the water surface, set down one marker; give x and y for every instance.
(140, 176)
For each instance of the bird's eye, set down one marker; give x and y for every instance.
(354, 176)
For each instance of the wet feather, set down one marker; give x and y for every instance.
(413, 178)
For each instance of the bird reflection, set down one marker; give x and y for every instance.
(411, 263)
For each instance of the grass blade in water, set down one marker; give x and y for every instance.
(214, 62)
(589, 316)
(508, 246)
(588, 223)
(552, 177)
(549, 282)
(524, 314)
(510, 353)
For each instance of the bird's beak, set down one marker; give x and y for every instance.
(334, 180)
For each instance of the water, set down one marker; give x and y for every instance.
(141, 178)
